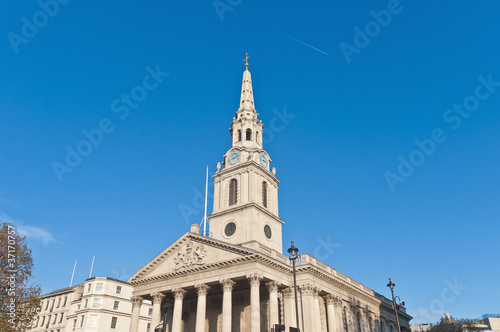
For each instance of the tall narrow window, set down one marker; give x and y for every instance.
(239, 135)
(233, 192)
(257, 137)
(249, 134)
(264, 193)
(359, 321)
(113, 322)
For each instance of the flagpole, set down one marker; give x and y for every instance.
(205, 215)
(72, 275)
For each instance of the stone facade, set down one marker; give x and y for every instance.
(98, 304)
(238, 279)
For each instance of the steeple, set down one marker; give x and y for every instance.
(246, 100)
(246, 188)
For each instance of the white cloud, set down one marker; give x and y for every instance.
(425, 315)
(32, 232)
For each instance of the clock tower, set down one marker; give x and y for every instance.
(246, 190)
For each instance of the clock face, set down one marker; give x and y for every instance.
(263, 160)
(267, 231)
(234, 157)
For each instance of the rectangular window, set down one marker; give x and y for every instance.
(150, 312)
(115, 305)
(98, 287)
(43, 320)
(149, 327)
(86, 303)
(97, 303)
(62, 315)
(113, 322)
(81, 321)
(89, 287)
(47, 305)
(55, 319)
(48, 321)
(65, 299)
(93, 321)
(53, 302)
(74, 324)
(118, 289)
(58, 302)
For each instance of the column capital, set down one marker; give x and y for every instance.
(288, 292)
(272, 286)
(136, 301)
(202, 289)
(179, 293)
(157, 297)
(309, 289)
(254, 279)
(227, 285)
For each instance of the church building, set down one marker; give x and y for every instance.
(237, 278)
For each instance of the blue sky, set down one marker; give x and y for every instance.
(386, 137)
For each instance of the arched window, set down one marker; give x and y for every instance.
(239, 135)
(264, 193)
(249, 134)
(233, 192)
(358, 316)
(344, 320)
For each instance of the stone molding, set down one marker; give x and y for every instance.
(179, 293)
(309, 290)
(227, 285)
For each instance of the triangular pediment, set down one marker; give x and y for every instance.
(191, 251)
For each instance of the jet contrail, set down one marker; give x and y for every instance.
(300, 41)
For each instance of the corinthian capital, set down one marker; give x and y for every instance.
(136, 301)
(254, 279)
(227, 285)
(202, 289)
(179, 293)
(157, 297)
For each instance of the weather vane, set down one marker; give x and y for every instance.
(246, 60)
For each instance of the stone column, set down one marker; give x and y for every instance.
(156, 316)
(289, 304)
(201, 308)
(254, 280)
(311, 322)
(317, 310)
(272, 286)
(177, 316)
(330, 313)
(136, 312)
(227, 303)
(337, 304)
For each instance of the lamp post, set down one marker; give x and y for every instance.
(394, 305)
(293, 256)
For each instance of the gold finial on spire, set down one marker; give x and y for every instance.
(246, 60)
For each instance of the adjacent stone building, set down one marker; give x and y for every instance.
(237, 279)
(98, 304)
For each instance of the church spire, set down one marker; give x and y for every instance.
(246, 100)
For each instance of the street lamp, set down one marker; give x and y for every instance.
(394, 305)
(293, 256)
